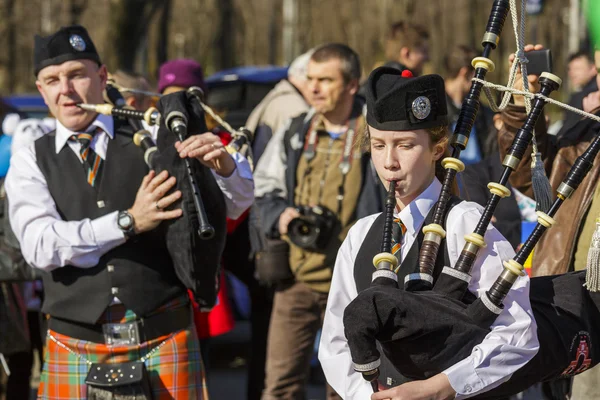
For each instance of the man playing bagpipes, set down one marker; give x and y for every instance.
(118, 242)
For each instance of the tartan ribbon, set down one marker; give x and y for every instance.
(92, 161)
(398, 231)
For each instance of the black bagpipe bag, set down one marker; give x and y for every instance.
(197, 262)
(423, 333)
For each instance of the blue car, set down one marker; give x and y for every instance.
(32, 105)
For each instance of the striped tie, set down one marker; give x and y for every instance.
(398, 231)
(91, 160)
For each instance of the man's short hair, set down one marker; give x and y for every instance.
(404, 34)
(130, 80)
(581, 54)
(459, 57)
(348, 57)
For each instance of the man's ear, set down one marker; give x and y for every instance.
(38, 84)
(465, 73)
(103, 73)
(404, 54)
(353, 86)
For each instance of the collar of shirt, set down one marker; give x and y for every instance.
(319, 126)
(414, 214)
(104, 122)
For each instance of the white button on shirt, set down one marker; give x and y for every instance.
(48, 242)
(511, 343)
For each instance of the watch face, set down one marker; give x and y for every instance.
(125, 221)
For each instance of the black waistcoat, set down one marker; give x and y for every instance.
(140, 272)
(363, 270)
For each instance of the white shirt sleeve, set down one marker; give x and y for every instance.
(238, 188)
(270, 170)
(334, 353)
(513, 340)
(47, 242)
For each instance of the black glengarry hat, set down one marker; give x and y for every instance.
(68, 43)
(397, 101)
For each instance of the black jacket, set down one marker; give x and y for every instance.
(475, 180)
(576, 100)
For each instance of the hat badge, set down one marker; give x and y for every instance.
(421, 107)
(77, 42)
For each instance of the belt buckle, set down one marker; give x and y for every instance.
(126, 334)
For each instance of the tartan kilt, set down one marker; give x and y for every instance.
(175, 371)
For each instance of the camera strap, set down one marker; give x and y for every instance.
(309, 154)
(346, 164)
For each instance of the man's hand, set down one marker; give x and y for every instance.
(208, 149)
(435, 388)
(591, 102)
(148, 210)
(534, 86)
(284, 219)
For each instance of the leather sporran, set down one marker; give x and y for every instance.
(120, 381)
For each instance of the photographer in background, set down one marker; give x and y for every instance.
(312, 184)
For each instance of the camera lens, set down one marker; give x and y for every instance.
(302, 232)
(312, 230)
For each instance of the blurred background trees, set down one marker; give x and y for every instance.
(141, 34)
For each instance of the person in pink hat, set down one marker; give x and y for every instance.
(180, 74)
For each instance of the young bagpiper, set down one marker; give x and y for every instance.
(407, 136)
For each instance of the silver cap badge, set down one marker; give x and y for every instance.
(77, 42)
(421, 107)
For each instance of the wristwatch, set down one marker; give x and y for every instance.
(126, 223)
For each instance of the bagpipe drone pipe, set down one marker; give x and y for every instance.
(426, 326)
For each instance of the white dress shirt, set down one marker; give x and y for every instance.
(48, 242)
(512, 341)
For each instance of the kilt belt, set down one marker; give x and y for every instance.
(129, 333)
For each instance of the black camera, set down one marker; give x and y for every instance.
(313, 229)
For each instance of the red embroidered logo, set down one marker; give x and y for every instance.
(582, 359)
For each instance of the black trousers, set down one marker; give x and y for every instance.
(21, 364)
